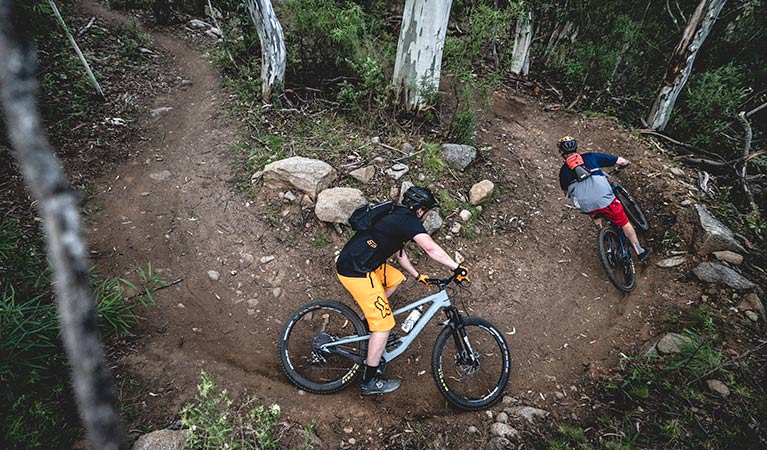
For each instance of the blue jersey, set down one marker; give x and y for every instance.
(593, 161)
(594, 192)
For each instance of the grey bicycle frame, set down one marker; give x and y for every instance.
(438, 301)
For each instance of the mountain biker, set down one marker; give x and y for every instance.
(591, 193)
(363, 271)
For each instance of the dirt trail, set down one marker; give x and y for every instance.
(535, 277)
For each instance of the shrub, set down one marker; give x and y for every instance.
(214, 424)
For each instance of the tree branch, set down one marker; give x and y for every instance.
(58, 205)
(742, 168)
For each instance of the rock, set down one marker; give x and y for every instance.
(160, 176)
(713, 235)
(290, 197)
(337, 204)
(672, 343)
(213, 275)
(711, 272)
(718, 387)
(432, 221)
(253, 302)
(256, 177)
(397, 171)
(307, 175)
(363, 174)
(752, 316)
(672, 262)
(503, 430)
(508, 400)
(161, 110)
(213, 32)
(186, 82)
(481, 192)
(751, 302)
(405, 186)
(459, 156)
(465, 215)
(499, 443)
(473, 430)
(408, 148)
(527, 412)
(502, 417)
(676, 171)
(375, 140)
(162, 440)
(197, 24)
(729, 257)
(456, 228)
(307, 201)
(267, 259)
(277, 292)
(459, 258)
(248, 258)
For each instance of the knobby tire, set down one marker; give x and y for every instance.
(630, 206)
(485, 386)
(620, 270)
(324, 320)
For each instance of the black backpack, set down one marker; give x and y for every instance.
(363, 218)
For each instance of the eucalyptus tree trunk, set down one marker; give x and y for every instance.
(419, 51)
(272, 46)
(58, 205)
(523, 37)
(680, 64)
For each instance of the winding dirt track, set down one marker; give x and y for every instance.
(535, 277)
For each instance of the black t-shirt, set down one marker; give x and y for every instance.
(368, 250)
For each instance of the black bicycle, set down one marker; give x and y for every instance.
(614, 247)
(324, 343)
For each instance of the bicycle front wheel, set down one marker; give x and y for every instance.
(617, 261)
(630, 206)
(471, 375)
(305, 331)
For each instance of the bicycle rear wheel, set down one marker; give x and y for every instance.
(630, 206)
(471, 383)
(311, 326)
(617, 262)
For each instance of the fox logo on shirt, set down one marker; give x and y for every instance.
(372, 243)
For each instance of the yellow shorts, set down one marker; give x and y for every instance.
(369, 293)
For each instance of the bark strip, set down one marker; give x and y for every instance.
(58, 205)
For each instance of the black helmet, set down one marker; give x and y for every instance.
(419, 197)
(568, 145)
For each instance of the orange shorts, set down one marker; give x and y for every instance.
(370, 293)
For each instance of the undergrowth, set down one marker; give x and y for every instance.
(214, 422)
(664, 401)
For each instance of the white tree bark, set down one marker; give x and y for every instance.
(272, 46)
(680, 64)
(419, 51)
(557, 47)
(523, 37)
(58, 205)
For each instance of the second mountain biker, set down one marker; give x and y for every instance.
(363, 271)
(590, 191)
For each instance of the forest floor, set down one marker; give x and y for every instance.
(171, 202)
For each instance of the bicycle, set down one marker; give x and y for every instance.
(324, 343)
(614, 247)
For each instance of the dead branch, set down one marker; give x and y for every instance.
(57, 203)
(756, 110)
(742, 168)
(719, 166)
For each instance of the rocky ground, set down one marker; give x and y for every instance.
(242, 261)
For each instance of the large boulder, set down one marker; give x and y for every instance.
(308, 175)
(162, 440)
(337, 204)
(432, 221)
(713, 235)
(672, 343)
(459, 156)
(712, 272)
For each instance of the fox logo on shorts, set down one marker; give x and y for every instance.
(372, 243)
(383, 307)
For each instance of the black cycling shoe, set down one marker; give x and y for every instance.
(379, 386)
(644, 255)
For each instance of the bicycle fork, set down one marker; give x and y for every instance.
(466, 357)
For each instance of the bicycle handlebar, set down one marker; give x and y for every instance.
(442, 283)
